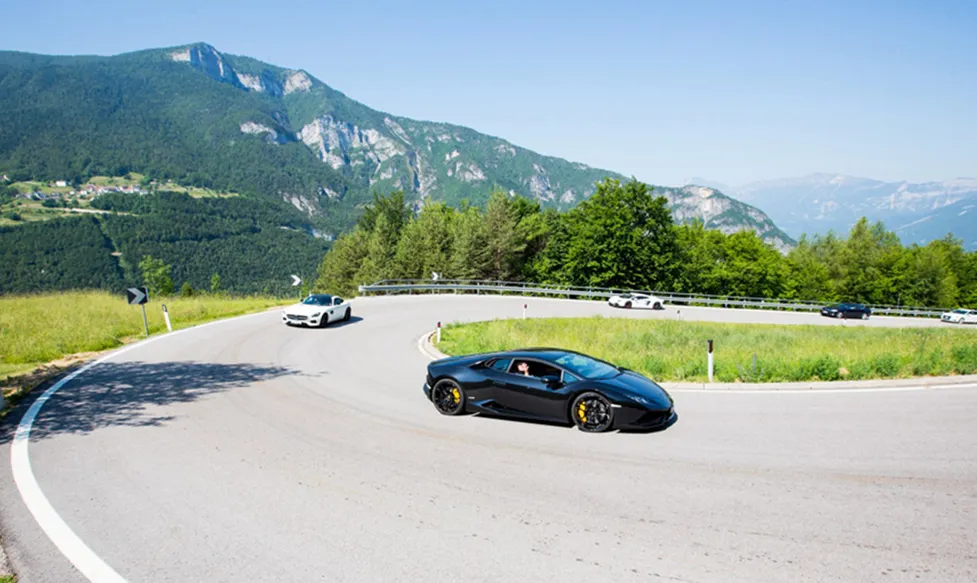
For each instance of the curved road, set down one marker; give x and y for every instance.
(248, 451)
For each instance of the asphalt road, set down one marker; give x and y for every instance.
(247, 450)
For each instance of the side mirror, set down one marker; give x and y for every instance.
(551, 381)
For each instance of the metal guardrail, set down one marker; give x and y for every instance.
(394, 286)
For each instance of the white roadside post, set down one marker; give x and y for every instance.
(166, 316)
(524, 306)
(439, 332)
(710, 361)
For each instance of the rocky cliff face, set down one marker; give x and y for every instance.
(431, 161)
(720, 212)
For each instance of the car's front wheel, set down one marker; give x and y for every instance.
(346, 317)
(448, 397)
(592, 412)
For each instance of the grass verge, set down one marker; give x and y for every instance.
(44, 335)
(676, 351)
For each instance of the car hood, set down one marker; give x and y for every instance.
(631, 383)
(305, 309)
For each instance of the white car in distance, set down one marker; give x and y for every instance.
(317, 310)
(629, 301)
(960, 316)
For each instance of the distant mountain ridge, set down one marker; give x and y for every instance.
(199, 116)
(822, 202)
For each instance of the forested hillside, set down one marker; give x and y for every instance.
(251, 245)
(623, 236)
(203, 118)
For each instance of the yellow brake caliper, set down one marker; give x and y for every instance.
(456, 395)
(582, 412)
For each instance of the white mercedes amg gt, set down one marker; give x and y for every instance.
(636, 301)
(317, 310)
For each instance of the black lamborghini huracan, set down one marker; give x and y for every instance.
(549, 384)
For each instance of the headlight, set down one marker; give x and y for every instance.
(317, 314)
(642, 400)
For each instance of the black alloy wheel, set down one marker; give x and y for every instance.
(657, 306)
(592, 413)
(346, 317)
(627, 304)
(448, 397)
(324, 321)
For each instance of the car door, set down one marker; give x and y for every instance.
(492, 391)
(529, 396)
(334, 309)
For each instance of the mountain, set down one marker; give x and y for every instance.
(199, 117)
(720, 212)
(917, 212)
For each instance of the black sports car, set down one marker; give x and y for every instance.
(845, 310)
(549, 384)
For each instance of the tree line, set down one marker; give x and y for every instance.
(625, 237)
(252, 245)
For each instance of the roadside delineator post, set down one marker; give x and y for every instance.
(166, 316)
(439, 332)
(524, 306)
(710, 361)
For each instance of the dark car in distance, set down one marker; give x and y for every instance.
(550, 385)
(847, 310)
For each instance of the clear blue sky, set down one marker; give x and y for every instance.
(729, 90)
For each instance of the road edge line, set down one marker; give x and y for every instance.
(83, 558)
(427, 348)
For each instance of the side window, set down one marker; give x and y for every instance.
(569, 378)
(337, 301)
(500, 364)
(547, 370)
(534, 368)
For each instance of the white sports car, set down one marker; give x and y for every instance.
(317, 310)
(960, 316)
(636, 301)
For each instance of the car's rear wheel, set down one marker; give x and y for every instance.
(448, 397)
(657, 306)
(592, 413)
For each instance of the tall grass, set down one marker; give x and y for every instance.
(669, 350)
(37, 329)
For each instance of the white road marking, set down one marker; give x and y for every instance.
(819, 391)
(71, 546)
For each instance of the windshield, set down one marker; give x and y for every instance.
(586, 367)
(317, 300)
